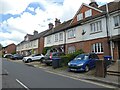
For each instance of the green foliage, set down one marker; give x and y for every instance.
(1, 46)
(32, 51)
(13, 53)
(45, 50)
(68, 57)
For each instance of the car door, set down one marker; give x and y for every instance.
(36, 57)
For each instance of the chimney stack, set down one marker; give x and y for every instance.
(57, 22)
(35, 32)
(93, 4)
(50, 25)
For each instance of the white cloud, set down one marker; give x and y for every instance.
(27, 23)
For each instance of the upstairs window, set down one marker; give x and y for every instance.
(71, 33)
(88, 13)
(79, 16)
(116, 20)
(48, 39)
(96, 27)
(56, 37)
(60, 36)
(97, 48)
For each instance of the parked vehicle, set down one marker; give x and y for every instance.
(16, 57)
(50, 56)
(7, 56)
(83, 62)
(34, 57)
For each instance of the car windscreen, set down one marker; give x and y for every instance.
(82, 57)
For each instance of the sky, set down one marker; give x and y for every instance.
(21, 17)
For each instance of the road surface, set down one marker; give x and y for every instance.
(19, 75)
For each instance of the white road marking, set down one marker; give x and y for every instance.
(107, 86)
(22, 84)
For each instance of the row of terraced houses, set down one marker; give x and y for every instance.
(92, 29)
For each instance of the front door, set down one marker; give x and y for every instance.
(119, 49)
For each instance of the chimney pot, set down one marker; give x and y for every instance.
(57, 22)
(50, 25)
(93, 4)
(35, 32)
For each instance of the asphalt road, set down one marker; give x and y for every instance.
(19, 75)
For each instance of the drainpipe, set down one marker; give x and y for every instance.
(109, 31)
(64, 41)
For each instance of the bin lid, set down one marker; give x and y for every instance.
(107, 56)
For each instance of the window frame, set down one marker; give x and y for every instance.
(117, 18)
(79, 16)
(73, 49)
(48, 39)
(96, 27)
(61, 36)
(88, 13)
(56, 37)
(71, 33)
(97, 48)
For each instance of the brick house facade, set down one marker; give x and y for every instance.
(11, 48)
(89, 30)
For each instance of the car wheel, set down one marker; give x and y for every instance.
(41, 60)
(86, 68)
(29, 60)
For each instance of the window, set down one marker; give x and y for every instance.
(71, 49)
(48, 40)
(88, 13)
(56, 37)
(34, 43)
(116, 20)
(71, 33)
(96, 27)
(97, 48)
(60, 36)
(79, 16)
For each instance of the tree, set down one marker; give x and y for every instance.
(1, 46)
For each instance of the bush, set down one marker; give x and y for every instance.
(45, 50)
(68, 57)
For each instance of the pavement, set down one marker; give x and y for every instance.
(109, 79)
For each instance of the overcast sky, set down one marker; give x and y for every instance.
(19, 17)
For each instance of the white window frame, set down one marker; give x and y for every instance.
(97, 48)
(88, 13)
(71, 49)
(71, 33)
(61, 36)
(56, 37)
(116, 20)
(96, 26)
(48, 39)
(80, 16)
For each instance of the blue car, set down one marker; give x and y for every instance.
(83, 62)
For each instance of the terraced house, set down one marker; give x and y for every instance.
(92, 29)
(32, 44)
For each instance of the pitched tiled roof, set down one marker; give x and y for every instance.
(59, 28)
(112, 6)
(38, 35)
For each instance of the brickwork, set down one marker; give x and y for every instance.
(83, 9)
(41, 45)
(86, 46)
(11, 48)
